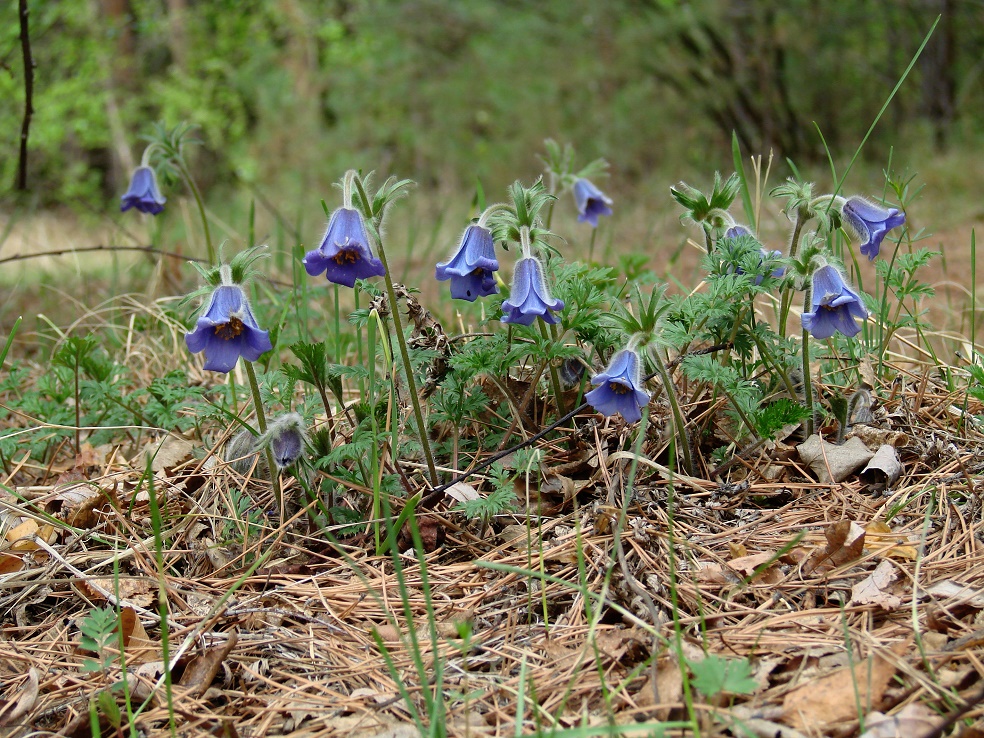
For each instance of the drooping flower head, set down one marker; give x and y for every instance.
(835, 305)
(869, 223)
(470, 269)
(619, 387)
(143, 194)
(591, 202)
(227, 329)
(530, 299)
(344, 254)
(285, 436)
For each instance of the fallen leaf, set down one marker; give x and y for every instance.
(751, 567)
(200, 672)
(10, 563)
(963, 593)
(845, 542)
(13, 710)
(167, 453)
(135, 590)
(81, 504)
(880, 538)
(913, 719)
(516, 536)
(883, 470)
(462, 492)
(873, 589)
(669, 688)
(22, 536)
(833, 698)
(833, 463)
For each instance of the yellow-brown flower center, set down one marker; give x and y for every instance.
(618, 388)
(346, 256)
(230, 330)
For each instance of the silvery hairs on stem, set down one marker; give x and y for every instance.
(286, 437)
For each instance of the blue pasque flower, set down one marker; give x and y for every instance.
(835, 305)
(619, 387)
(344, 255)
(470, 269)
(869, 222)
(143, 194)
(530, 297)
(227, 329)
(591, 202)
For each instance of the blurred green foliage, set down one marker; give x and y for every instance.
(289, 93)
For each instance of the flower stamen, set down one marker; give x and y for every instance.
(230, 330)
(347, 256)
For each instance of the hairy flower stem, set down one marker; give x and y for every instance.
(678, 421)
(405, 354)
(189, 180)
(802, 216)
(262, 424)
(554, 376)
(807, 378)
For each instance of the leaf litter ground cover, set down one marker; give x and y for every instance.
(786, 542)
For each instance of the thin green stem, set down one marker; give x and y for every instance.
(262, 424)
(678, 420)
(405, 354)
(554, 376)
(787, 292)
(189, 180)
(807, 378)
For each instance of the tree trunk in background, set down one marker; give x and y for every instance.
(177, 37)
(117, 14)
(937, 63)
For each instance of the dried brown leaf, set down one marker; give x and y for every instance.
(12, 710)
(845, 542)
(200, 672)
(874, 588)
(913, 719)
(832, 698)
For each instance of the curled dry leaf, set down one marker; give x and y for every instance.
(845, 543)
(883, 470)
(200, 672)
(167, 453)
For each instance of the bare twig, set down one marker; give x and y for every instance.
(28, 96)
